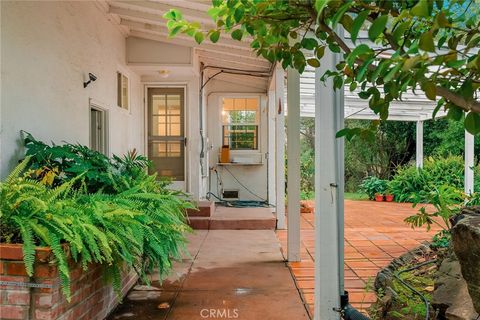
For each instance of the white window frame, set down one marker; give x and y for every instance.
(119, 91)
(259, 124)
(105, 126)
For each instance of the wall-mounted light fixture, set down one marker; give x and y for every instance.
(164, 73)
(91, 78)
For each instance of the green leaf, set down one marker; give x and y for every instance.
(430, 90)
(239, 13)
(358, 51)
(237, 34)
(358, 23)
(309, 43)
(320, 5)
(173, 14)
(174, 31)
(313, 62)
(199, 37)
(319, 52)
(377, 27)
(454, 112)
(400, 31)
(339, 14)
(472, 123)
(426, 42)
(214, 36)
(421, 9)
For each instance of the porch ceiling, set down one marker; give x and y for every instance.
(144, 19)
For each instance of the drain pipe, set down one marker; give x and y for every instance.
(348, 312)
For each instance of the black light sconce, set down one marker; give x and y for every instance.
(91, 78)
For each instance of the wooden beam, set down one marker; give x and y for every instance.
(419, 145)
(279, 78)
(188, 42)
(293, 168)
(328, 195)
(144, 10)
(469, 162)
(161, 29)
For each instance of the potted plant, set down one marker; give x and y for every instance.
(389, 196)
(378, 197)
(373, 186)
(388, 193)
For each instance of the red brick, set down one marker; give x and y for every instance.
(18, 297)
(44, 300)
(41, 314)
(15, 269)
(11, 252)
(13, 312)
(45, 270)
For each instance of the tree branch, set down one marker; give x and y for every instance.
(466, 105)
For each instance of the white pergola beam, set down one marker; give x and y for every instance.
(469, 162)
(279, 76)
(328, 195)
(153, 12)
(293, 168)
(188, 42)
(162, 29)
(419, 145)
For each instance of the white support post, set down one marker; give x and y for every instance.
(280, 146)
(469, 162)
(419, 145)
(293, 168)
(271, 114)
(329, 178)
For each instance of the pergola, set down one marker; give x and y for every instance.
(307, 96)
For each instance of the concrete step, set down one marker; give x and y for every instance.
(205, 209)
(227, 218)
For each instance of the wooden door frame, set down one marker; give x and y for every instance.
(170, 85)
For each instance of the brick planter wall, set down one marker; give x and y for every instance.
(91, 297)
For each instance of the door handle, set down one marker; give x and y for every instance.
(185, 140)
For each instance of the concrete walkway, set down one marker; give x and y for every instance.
(232, 274)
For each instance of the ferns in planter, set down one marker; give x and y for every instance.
(142, 227)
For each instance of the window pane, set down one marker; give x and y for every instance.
(158, 104)
(241, 137)
(158, 126)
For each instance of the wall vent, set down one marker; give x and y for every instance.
(230, 194)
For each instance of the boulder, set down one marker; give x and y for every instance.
(466, 244)
(450, 297)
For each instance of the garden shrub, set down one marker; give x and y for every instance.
(57, 164)
(125, 217)
(373, 185)
(412, 184)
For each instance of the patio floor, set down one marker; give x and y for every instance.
(374, 234)
(236, 274)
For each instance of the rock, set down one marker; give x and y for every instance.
(141, 287)
(137, 295)
(466, 244)
(451, 298)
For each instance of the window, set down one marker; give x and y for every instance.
(241, 119)
(122, 91)
(98, 130)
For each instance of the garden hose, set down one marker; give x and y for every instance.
(415, 291)
(347, 311)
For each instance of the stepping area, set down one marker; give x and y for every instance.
(238, 274)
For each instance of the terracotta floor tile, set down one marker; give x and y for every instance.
(374, 233)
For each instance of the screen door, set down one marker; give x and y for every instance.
(166, 133)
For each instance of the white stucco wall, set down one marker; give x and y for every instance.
(47, 50)
(253, 177)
